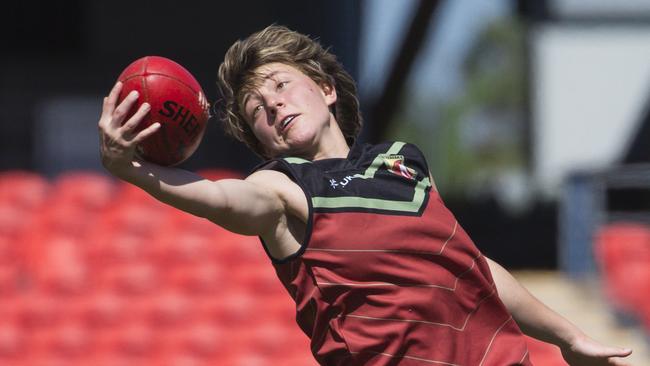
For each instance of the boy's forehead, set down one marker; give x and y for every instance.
(262, 74)
(268, 70)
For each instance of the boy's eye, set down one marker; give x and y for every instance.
(281, 84)
(257, 109)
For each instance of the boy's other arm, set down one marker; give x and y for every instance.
(539, 321)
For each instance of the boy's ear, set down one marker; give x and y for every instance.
(329, 92)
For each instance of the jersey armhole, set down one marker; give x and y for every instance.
(285, 167)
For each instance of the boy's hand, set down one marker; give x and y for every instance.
(118, 141)
(585, 351)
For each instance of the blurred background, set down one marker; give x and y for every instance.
(534, 117)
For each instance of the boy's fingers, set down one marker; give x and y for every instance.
(135, 120)
(144, 134)
(111, 99)
(121, 111)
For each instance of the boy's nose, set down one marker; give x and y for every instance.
(274, 107)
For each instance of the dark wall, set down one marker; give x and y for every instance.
(78, 48)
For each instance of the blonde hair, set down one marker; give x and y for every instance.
(279, 44)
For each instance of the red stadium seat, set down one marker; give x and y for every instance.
(138, 278)
(116, 247)
(260, 279)
(89, 191)
(13, 342)
(105, 309)
(205, 279)
(247, 358)
(58, 266)
(272, 338)
(15, 221)
(133, 218)
(184, 247)
(10, 279)
(204, 341)
(233, 310)
(176, 359)
(238, 250)
(132, 340)
(628, 288)
(168, 309)
(623, 253)
(106, 357)
(618, 244)
(68, 340)
(39, 311)
(63, 219)
(23, 189)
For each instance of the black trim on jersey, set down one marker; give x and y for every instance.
(286, 168)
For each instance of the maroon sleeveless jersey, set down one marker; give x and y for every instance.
(386, 275)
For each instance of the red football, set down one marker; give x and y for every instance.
(177, 102)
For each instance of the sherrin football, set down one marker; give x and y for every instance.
(177, 103)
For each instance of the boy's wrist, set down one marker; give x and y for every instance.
(568, 337)
(121, 170)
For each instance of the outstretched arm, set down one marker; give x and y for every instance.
(251, 207)
(539, 321)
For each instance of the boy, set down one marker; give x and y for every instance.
(380, 270)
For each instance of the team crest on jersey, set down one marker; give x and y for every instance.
(395, 165)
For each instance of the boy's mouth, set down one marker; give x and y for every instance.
(286, 121)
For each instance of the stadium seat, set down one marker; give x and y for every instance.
(114, 247)
(87, 190)
(182, 247)
(132, 340)
(63, 219)
(58, 266)
(261, 279)
(623, 254)
(203, 340)
(10, 279)
(272, 338)
(247, 357)
(68, 340)
(168, 309)
(38, 311)
(133, 218)
(23, 189)
(628, 288)
(14, 222)
(13, 342)
(233, 310)
(207, 279)
(131, 279)
(104, 309)
(618, 244)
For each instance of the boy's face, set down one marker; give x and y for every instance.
(289, 112)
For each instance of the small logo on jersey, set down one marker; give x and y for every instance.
(342, 183)
(395, 165)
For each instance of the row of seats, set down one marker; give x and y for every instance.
(94, 271)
